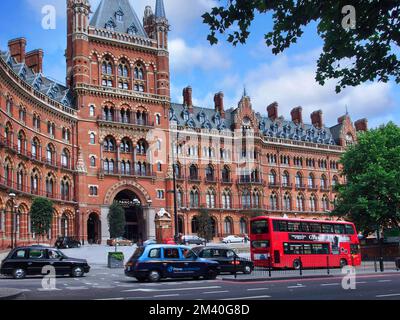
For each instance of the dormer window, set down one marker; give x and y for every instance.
(23, 74)
(119, 16)
(110, 25)
(202, 117)
(186, 116)
(132, 30)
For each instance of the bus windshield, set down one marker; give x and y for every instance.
(259, 227)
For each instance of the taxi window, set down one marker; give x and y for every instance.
(171, 253)
(188, 254)
(155, 253)
(36, 254)
(219, 253)
(207, 254)
(19, 254)
(230, 254)
(54, 254)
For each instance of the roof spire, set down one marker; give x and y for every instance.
(160, 9)
(244, 91)
(347, 110)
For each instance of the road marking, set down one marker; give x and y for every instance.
(166, 295)
(295, 287)
(48, 290)
(384, 280)
(388, 295)
(330, 284)
(257, 289)
(109, 299)
(247, 298)
(168, 290)
(212, 292)
(77, 288)
(361, 282)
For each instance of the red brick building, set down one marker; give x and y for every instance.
(106, 136)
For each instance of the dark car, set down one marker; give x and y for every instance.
(227, 258)
(67, 243)
(155, 262)
(193, 240)
(30, 261)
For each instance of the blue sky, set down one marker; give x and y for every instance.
(287, 78)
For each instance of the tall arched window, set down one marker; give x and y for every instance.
(179, 198)
(65, 158)
(107, 73)
(210, 198)
(126, 146)
(226, 174)
(285, 179)
(35, 148)
(311, 183)
(228, 226)
(210, 173)
(49, 186)
(273, 201)
(226, 199)
(325, 203)
(65, 189)
(141, 147)
(324, 183)
(194, 198)
(92, 138)
(300, 202)
(21, 178)
(195, 225)
(123, 75)
(243, 226)
(246, 199)
(287, 202)
(109, 144)
(256, 199)
(299, 180)
(272, 178)
(193, 172)
(35, 182)
(313, 203)
(335, 181)
(21, 142)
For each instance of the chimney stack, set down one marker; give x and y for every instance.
(297, 115)
(316, 119)
(272, 110)
(187, 97)
(361, 125)
(17, 49)
(34, 60)
(219, 103)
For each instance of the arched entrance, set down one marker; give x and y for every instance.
(93, 229)
(135, 228)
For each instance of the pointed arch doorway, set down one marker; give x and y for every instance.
(94, 229)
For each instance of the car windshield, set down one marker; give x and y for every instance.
(189, 254)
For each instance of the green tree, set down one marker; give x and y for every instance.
(351, 55)
(204, 225)
(371, 195)
(116, 220)
(41, 215)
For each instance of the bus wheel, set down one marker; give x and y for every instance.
(343, 263)
(297, 264)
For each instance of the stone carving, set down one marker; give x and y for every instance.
(163, 213)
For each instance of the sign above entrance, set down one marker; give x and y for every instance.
(129, 203)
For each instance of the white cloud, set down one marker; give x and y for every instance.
(293, 86)
(184, 57)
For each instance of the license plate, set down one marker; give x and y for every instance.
(261, 256)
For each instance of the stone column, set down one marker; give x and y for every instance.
(149, 215)
(105, 234)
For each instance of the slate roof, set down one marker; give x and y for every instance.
(39, 82)
(206, 118)
(107, 13)
(160, 9)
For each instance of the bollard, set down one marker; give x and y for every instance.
(376, 267)
(327, 265)
(381, 264)
(269, 267)
(301, 266)
(234, 267)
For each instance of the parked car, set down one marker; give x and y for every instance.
(122, 242)
(193, 240)
(149, 242)
(29, 261)
(67, 243)
(233, 239)
(156, 262)
(227, 259)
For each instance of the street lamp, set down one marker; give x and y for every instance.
(174, 166)
(12, 197)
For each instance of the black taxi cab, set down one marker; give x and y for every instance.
(31, 261)
(156, 262)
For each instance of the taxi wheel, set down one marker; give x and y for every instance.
(77, 272)
(343, 263)
(297, 265)
(19, 274)
(211, 275)
(140, 279)
(154, 276)
(247, 269)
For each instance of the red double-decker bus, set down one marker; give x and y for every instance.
(296, 243)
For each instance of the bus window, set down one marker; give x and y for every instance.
(339, 229)
(305, 227)
(315, 227)
(280, 225)
(293, 248)
(327, 228)
(293, 226)
(349, 229)
(320, 248)
(259, 227)
(260, 244)
(307, 249)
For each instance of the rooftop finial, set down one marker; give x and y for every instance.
(244, 91)
(347, 110)
(160, 9)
